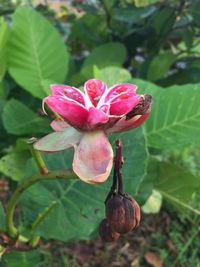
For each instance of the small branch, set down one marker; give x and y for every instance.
(118, 161)
(37, 177)
(118, 165)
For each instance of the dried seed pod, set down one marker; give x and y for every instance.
(122, 213)
(137, 212)
(105, 232)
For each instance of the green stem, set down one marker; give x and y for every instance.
(37, 177)
(39, 160)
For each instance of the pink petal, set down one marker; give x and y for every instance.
(93, 157)
(119, 89)
(126, 125)
(59, 125)
(73, 112)
(94, 89)
(69, 92)
(58, 141)
(96, 117)
(123, 104)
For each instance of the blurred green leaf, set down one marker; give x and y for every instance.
(163, 20)
(195, 12)
(177, 185)
(90, 29)
(112, 75)
(22, 259)
(80, 206)
(4, 34)
(36, 52)
(13, 165)
(2, 217)
(160, 65)
(18, 119)
(174, 120)
(142, 3)
(153, 203)
(110, 54)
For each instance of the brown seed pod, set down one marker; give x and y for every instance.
(105, 232)
(122, 213)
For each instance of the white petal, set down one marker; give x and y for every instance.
(58, 141)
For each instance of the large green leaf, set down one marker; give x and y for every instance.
(175, 117)
(14, 165)
(18, 119)
(2, 217)
(4, 34)
(160, 65)
(112, 75)
(36, 52)
(177, 185)
(22, 259)
(142, 3)
(79, 207)
(110, 54)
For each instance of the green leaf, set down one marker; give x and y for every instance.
(4, 34)
(22, 259)
(18, 119)
(177, 185)
(80, 206)
(110, 54)
(142, 3)
(112, 75)
(153, 203)
(175, 117)
(13, 165)
(36, 52)
(160, 65)
(2, 217)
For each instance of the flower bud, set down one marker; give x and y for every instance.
(122, 213)
(105, 232)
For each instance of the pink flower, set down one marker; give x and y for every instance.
(87, 119)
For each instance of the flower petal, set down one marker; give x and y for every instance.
(119, 89)
(93, 157)
(59, 125)
(126, 125)
(74, 113)
(69, 92)
(58, 141)
(123, 104)
(135, 117)
(121, 98)
(96, 117)
(94, 89)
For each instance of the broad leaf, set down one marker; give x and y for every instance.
(142, 3)
(79, 206)
(4, 34)
(13, 165)
(22, 259)
(111, 54)
(18, 119)
(160, 65)
(175, 117)
(112, 75)
(153, 203)
(36, 52)
(177, 185)
(2, 217)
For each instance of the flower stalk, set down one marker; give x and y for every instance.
(37, 177)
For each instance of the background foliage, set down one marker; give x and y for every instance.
(154, 44)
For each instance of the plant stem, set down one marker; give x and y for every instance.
(39, 160)
(37, 177)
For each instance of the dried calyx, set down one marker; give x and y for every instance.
(122, 211)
